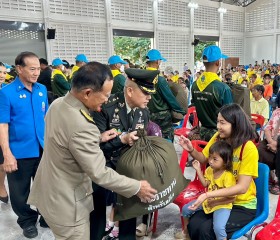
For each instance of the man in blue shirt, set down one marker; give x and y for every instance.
(23, 106)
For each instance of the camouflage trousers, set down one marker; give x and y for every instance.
(206, 133)
(164, 120)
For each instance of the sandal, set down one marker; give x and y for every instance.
(275, 189)
(141, 230)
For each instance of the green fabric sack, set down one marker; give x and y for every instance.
(153, 159)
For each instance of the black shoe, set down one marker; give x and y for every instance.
(43, 223)
(4, 199)
(108, 237)
(30, 232)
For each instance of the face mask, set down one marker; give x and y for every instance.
(122, 68)
(272, 77)
(62, 68)
(228, 79)
(243, 75)
(243, 85)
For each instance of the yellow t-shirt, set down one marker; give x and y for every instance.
(258, 81)
(250, 72)
(241, 79)
(235, 76)
(175, 78)
(247, 166)
(225, 180)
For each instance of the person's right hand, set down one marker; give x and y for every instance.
(10, 163)
(130, 138)
(196, 164)
(146, 192)
(185, 143)
(108, 135)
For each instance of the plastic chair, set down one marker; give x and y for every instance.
(194, 189)
(271, 230)
(262, 205)
(184, 130)
(258, 119)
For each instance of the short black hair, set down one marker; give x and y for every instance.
(92, 75)
(21, 57)
(266, 75)
(225, 151)
(259, 88)
(43, 61)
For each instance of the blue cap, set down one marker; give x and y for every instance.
(212, 54)
(154, 55)
(57, 62)
(81, 58)
(7, 66)
(116, 59)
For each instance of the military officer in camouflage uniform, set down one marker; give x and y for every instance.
(163, 101)
(117, 114)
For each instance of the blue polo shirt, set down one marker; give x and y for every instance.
(24, 112)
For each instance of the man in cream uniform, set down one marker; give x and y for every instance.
(62, 189)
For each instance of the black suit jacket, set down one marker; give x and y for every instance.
(114, 116)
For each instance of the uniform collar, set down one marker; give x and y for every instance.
(128, 108)
(20, 85)
(75, 102)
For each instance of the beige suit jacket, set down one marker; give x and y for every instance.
(72, 159)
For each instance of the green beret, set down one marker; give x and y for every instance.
(145, 79)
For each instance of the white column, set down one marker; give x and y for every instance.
(155, 23)
(46, 11)
(275, 45)
(109, 28)
(191, 40)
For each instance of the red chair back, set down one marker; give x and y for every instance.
(258, 119)
(198, 145)
(277, 212)
(184, 130)
(191, 110)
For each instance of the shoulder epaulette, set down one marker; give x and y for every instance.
(87, 116)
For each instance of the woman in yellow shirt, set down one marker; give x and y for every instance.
(233, 127)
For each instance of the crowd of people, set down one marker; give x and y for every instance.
(67, 125)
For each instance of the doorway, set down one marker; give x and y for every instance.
(133, 45)
(204, 41)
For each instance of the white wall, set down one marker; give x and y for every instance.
(262, 29)
(258, 48)
(85, 26)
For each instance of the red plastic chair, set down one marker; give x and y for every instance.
(258, 119)
(193, 190)
(184, 130)
(271, 230)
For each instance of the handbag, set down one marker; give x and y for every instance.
(194, 133)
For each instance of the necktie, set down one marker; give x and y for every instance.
(130, 118)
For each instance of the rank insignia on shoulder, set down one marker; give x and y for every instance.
(87, 116)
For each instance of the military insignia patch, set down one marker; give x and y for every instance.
(87, 116)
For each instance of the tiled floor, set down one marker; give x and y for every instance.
(168, 221)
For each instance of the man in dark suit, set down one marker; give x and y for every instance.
(124, 112)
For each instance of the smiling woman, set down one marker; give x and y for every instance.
(234, 128)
